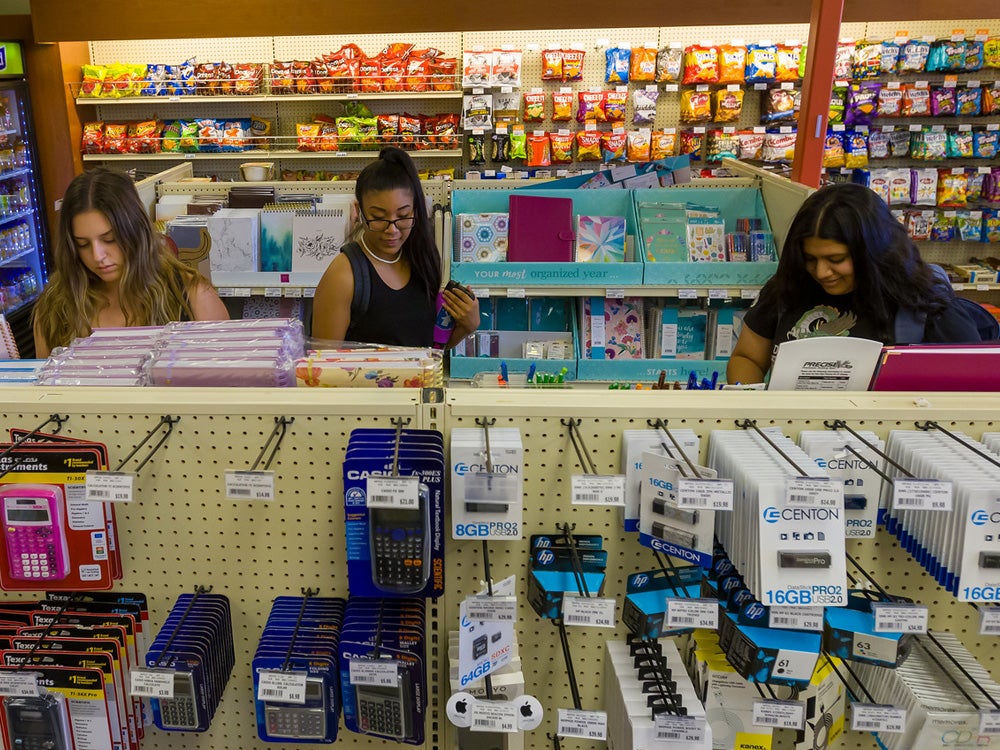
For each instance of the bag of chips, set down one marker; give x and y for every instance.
(787, 62)
(670, 64)
(732, 63)
(614, 105)
(552, 65)
(855, 149)
(644, 105)
(695, 106)
(833, 151)
(779, 105)
(838, 105)
(144, 137)
(701, 64)
(590, 106)
(862, 102)
(762, 63)
(539, 150)
(617, 61)
(93, 138)
(663, 143)
(506, 69)
(93, 80)
(534, 107)
(691, 144)
(751, 145)
(588, 145)
(613, 146)
(639, 146)
(572, 64)
(642, 65)
(728, 105)
(561, 145)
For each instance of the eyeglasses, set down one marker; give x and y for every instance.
(380, 225)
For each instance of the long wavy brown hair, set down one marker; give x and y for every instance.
(154, 285)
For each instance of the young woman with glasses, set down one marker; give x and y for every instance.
(396, 239)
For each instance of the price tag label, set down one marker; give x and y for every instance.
(515, 293)
(989, 621)
(710, 494)
(249, 485)
(376, 673)
(144, 683)
(588, 725)
(989, 722)
(491, 608)
(921, 494)
(693, 613)
(687, 294)
(20, 684)
(242, 291)
(588, 612)
(749, 293)
(590, 489)
(226, 291)
(869, 717)
(309, 292)
(718, 294)
(293, 292)
(982, 287)
(760, 87)
(680, 729)
(481, 292)
(814, 492)
(109, 486)
(393, 492)
(779, 714)
(796, 618)
(671, 88)
(283, 687)
(614, 293)
(900, 618)
(272, 291)
(494, 716)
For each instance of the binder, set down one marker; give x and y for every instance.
(541, 229)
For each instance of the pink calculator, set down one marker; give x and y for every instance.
(33, 531)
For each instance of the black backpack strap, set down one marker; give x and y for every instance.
(362, 279)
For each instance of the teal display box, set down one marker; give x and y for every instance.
(648, 370)
(585, 202)
(732, 203)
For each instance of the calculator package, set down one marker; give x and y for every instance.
(486, 492)
(52, 535)
(637, 442)
(195, 644)
(70, 711)
(395, 536)
(296, 674)
(837, 452)
(558, 567)
(383, 681)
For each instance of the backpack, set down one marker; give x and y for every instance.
(362, 279)
(909, 324)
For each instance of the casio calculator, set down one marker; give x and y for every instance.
(382, 710)
(180, 712)
(297, 720)
(401, 546)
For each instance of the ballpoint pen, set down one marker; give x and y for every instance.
(503, 372)
(531, 373)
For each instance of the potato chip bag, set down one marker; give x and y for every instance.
(281, 77)
(787, 62)
(862, 102)
(663, 143)
(188, 137)
(260, 132)
(93, 138)
(561, 145)
(732, 62)
(762, 63)
(572, 64)
(534, 107)
(443, 71)
(691, 144)
(613, 146)
(539, 150)
(144, 137)
(562, 106)
(588, 145)
(93, 80)
(590, 106)
(779, 105)
(307, 135)
(116, 138)
(669, 64)
(617, 61)
(728, 105)
(838, 104)
(644, 105)
(518, 144)
(833, 151)
(695, 106)
(642, 66)
(855, 149)
(701, 64)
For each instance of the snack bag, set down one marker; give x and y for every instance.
(93, 80)
(539, 150)
(307, 135)
(732, 63)
(833, 151)
(951, 189)
(843, 61)
(670, 64)
(617, 61)
(663, 143)
(572, 65)
(878, 145)
(695, 106)
(518, 143)
(943, 101)
(534, 107)
(991, 53)
(721, 145)
(590, 106)
(899, 143)
(642, 66)
(561, 145)
(144, 137)
(443, 72)
(751, 145)
(188, 137)
(890, 57)
(862, 102)
(477, 148)
(974, 55)
(855, 149)
(552, 65)
(762, 63)
(913, 56)
(614, 105)
(890, 102)
(787, 62)
(838, 105)
(613, 146)
(959, 144)
(644, 105)
(639, 146)
(588, 145)
(778, 147)
(867, 63)
(969, 102)
(501, 146)
(506, 69)
(476, 67)
(691, 144)
(728, 105)
(779, 105)
(984, 144)
(701, 64)
(916, 101)
(943, 226)
(93, 138)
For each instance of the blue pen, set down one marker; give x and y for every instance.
(503, 372)
(692, 381)
(715, 379)
(531, 373)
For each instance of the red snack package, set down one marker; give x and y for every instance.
(613, 146)
(115, 138)
(327, 139)
(371, 75)
(409, 131)
(614, 105)
(281, 78)
(342, 72)
(446, 132)
(534, 107)
(93, 138)
(247, 78)
(539, 150)
(397, 49)
(418, 74)
(562, 105)
(590, 106)
(552, 65)
(701, 64)
(691, 143)
(388, 129)
(562, 147)
(225, 78)
(394, 71)
(443, 70)
(144, 137)
(572, 64)
(307, 136)
(588, 145)
(302, 78)
(321, 75)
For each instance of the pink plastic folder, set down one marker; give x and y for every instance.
(935, 367)
(541, 229)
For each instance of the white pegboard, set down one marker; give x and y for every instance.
(258, 49)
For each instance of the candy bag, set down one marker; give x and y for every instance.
(916, 101)
(562, 106)
(539, 150)
(669, 64)
(984, 144)
(991, 53)
(943, 227)
(974, 185)
(642, 67)
(878, 183)
(695, 106)
(728, 105)
(613, 147)
(969, 225)
(991, 99)
(923, 186)
(732, 62)
(899, 187)
(951, 188)
(969, 102)
(913, 56)
(890, 102)
(701, 64)
(974, 55)
(762, 63)
(561, 145)
(721, 145)
(899, 142)
(890, 57)
(959, 144)
(644, 105)
(867, 63)
(943, 101)
(918, 224)
(588, 145)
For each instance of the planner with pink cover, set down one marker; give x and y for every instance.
(541, 229)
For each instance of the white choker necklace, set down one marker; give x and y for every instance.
(381, 260)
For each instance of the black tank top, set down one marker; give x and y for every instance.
(403, 317)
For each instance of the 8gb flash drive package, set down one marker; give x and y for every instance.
(486, 491)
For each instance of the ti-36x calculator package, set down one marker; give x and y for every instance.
(395, 540)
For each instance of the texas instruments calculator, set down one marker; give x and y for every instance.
(33, 532)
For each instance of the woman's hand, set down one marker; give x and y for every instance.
(463, 307)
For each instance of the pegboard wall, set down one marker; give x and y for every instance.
(181, 532)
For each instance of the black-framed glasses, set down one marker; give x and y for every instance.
(380, 225)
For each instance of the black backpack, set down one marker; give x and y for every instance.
(362, 279)
(909, 324)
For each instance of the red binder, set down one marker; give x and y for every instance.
(540, 230)
(939, 367)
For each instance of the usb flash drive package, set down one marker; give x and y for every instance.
(637, 442)
(486, 495)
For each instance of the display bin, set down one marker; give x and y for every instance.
(586, 202)
(648, 370)
(732, 203)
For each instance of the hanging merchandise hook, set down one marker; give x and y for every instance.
(277, 435)
(398, 423)
(932, 425)
(847, 686)
(749, 424)
(839, 424)
(165, 420)
(198, 591)
(582, 453)
(661, 424)
(578, 574)
(485, 423)
(307, 594)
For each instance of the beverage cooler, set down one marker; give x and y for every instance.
(23, 234)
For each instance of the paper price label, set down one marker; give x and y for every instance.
(614, 293)
(283, 687)
(989, 621)
(868, 717)
(687, 294)
(393, 492)
(227, 291)
(109, 486)
(900, 618)
(272, 291)
(242, 291)
(921, 494)
(249, 485)
(19, 684)
(684, 729)
(494, 716)
(148, 684)
(693, 613)
(481, 292)
(749, 293)
(491, 608)
(588, 612)
(374, 673)
(814, 492)
(293, 292)
(779, 714)
(718, 294)
(709, 494)
(796, 618)
(588, 725)
(516, 293)
(989, 722)
(309, 292)
(590, 489)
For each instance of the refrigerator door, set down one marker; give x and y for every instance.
(23, 234)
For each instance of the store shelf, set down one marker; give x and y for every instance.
(14, 258)
(18, 308)
(14, 173)
(13, 217)
(277, 154)
(196, 99)
(681, 291)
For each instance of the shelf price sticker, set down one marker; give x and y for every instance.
(593, 489)
(494, 716)
(814, 492)
(779, 714)
(614, 293)
(921, 494)
(147, 683)
(989, 722)
(989, 621)
(709, 494)
(687, 294)
(491, 608)
(680, 729)
(249, 485)
(272, 291)
(588, 612)
(870, 717)
(693, 613)
(393, 492)
(900, 618)
(19, 684)
(109, 486)
(282, 687)
(374, 672)
(796, 618)
(588, 725)
(516, 293)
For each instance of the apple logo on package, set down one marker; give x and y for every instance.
(529, 712)
(459, 709)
